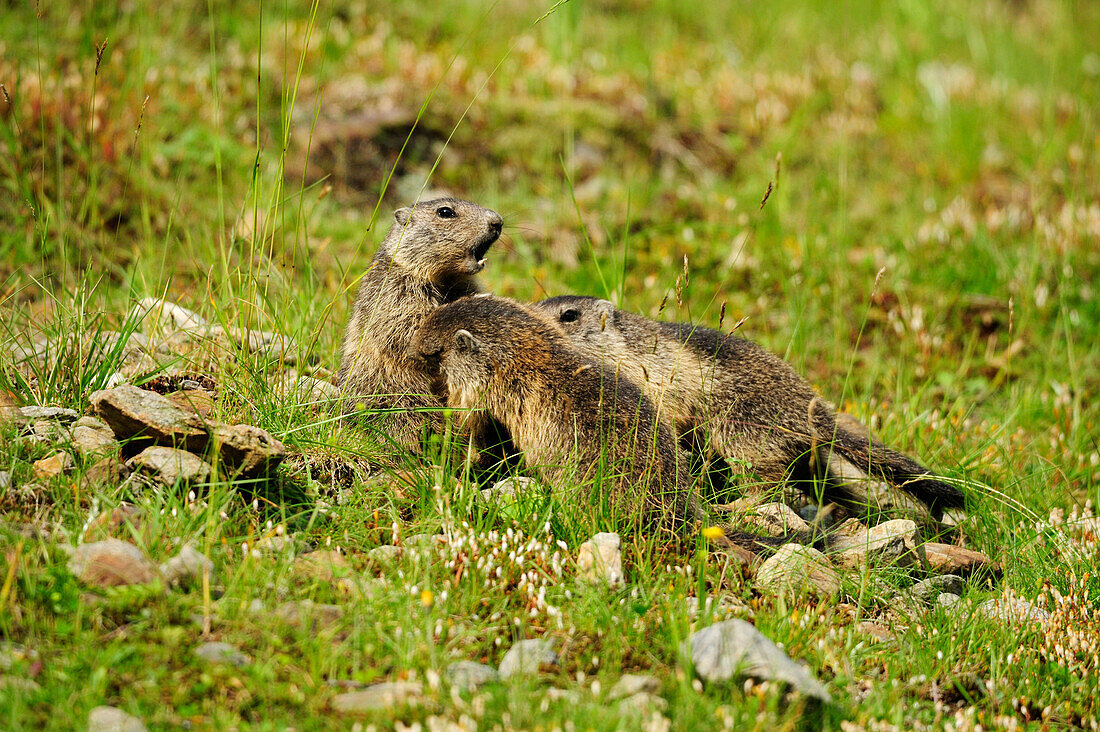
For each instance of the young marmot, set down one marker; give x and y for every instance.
(575, 421)
(755, 408)
(429, 257)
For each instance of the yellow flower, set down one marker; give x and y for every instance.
(426, 598)
(713, 532)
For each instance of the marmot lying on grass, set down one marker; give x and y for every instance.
(576, 421)
(430, 257)
(755, 409)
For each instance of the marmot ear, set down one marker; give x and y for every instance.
(605, 310)
(465, 342)
(401, 215)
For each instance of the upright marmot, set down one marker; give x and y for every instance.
(753, 406)
(576, 421)
(430, 257)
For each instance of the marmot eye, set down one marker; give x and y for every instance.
(445, 212)
(570, 315)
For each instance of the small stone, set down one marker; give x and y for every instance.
(510, 487)
(53, 466)
(600, 560)
(277, 544)
(631, 684)
(5, 480)
(734, 648)
(795, 569)
(19, 684)
(308, 614)
(169, 466)
(187, 567)
(249, 450)
(876, 631)
(133, 412)
(776, 519)
(324, 565)
(108, 470)
(152, 311)
(928, 590)
(111, 719)
(642, 702)
(719, 608)
(384, 555)
(1012, 610)
(218, 652)
(379, 697)
(118, 520)
(947, 599)
(110, 563)
(92, 437)
(33, 413)
(889, 543)
(527, 657)
(950, 559)
(470, 675)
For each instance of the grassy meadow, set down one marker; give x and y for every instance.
(902, 199)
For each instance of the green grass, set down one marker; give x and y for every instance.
(928, 257)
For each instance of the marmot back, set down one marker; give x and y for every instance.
(755, 408)
(572, 417)
(429, 257)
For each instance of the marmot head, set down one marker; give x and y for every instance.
(591, 324)
(442, 239)
(475, 342)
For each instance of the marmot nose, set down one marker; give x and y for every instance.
(496, 223)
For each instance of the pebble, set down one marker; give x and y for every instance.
(112, 719)
(379, 697)
(186, 568)
(631, 684)
(795, 569)
(734, 648)
(110, 563)
(470, 675)
(527, 657)
(218, 652)
(169, 466)
(600, 560)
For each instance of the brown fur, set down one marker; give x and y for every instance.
(755, 408)
(427, 259)
(572, 418)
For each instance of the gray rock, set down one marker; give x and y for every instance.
(469, 675)
(509, 488)
(249, 450)
(152, 311)
(308, 614)
(33, 413)
(928, 590)
(379, 697)
(5, 480)
(947, 599)
(110, 563)
(93, 436)
(775, 519)
(600, 560)
(111, 719)
(795, 569)
(641, 703)
(186, 568)
(631, 684)
(734, 649)
(1012, 611)
(527, 657)
(218, 652)
(169, 466)
(855, 546)
(384, 555)
(133, 412)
